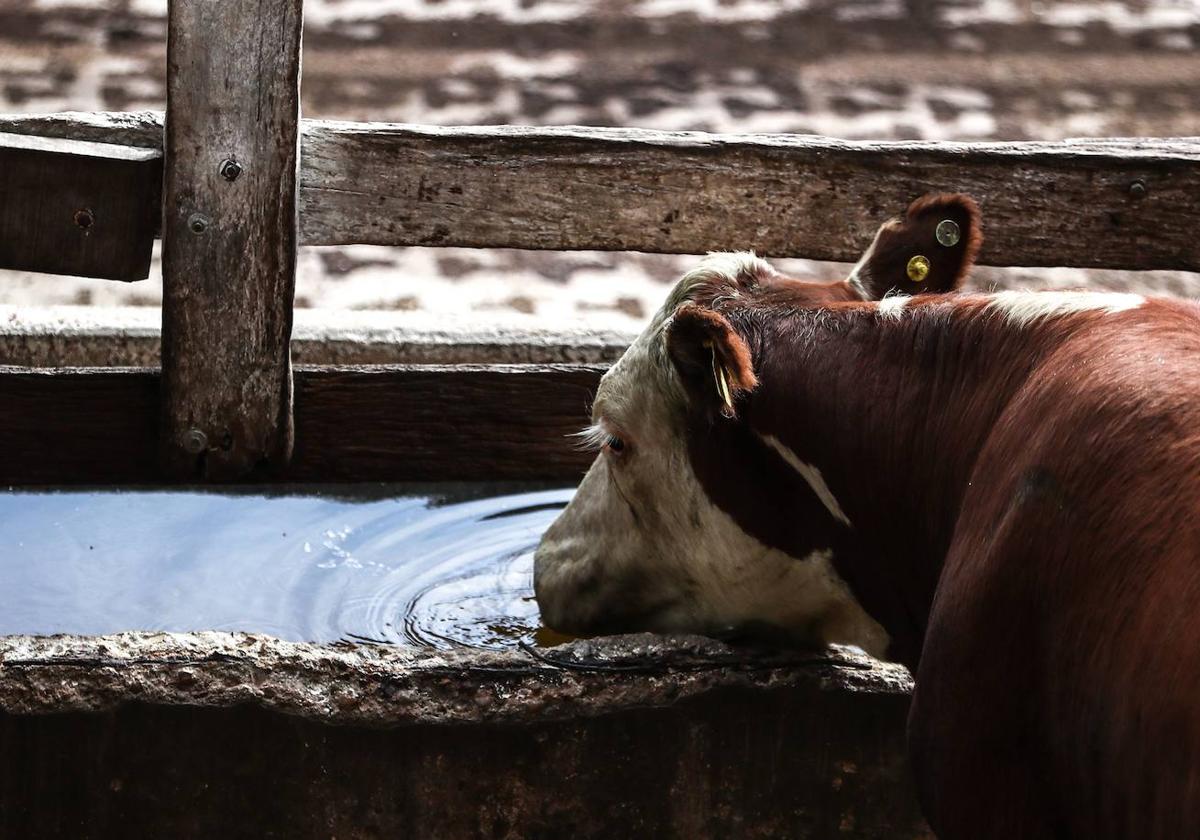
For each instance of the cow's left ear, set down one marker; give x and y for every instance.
(712, 359)
(930, 249)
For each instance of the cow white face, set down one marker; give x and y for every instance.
(641, 546)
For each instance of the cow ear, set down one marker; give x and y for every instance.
(930, 249)
(712, 359)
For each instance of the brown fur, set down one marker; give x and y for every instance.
(699, 341)
(1024, 519)
(900, 240)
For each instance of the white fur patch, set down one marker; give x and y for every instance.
(858, 274)
(855, 280)
(810, 474)
(723, 267)
(892, 306)
(1022, 308)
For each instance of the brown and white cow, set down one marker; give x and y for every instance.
(634, 577)
(1000, 491)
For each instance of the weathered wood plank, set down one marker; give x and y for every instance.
(143, 129)
(1044, 204)
(1069, 203)
(78, 426)
(79, 208)
(229, 235)
(469, 422)
(502, 422)
(129, 337)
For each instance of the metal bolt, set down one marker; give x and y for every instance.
(198, 222)
(230, 169)
(1138, 189)
(85, 218)
(195, 441)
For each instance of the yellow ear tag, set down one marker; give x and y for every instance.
(918, 268)
(722, 381)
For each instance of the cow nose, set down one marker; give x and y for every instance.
(545, 590)
(564, 586)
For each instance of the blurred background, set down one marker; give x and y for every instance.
(857, 69)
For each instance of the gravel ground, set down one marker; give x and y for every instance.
(863, 69)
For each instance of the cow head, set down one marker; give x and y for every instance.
(642, 546)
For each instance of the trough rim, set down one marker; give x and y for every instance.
(375, 685)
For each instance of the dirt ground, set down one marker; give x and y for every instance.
(920, 69)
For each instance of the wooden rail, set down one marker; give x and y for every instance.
(506, 422)
(239, 198)
(75, 207)
(1126, 204)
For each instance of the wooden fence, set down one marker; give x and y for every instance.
(233, 181)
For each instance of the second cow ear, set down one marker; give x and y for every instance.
(931, 248)
(712, 359)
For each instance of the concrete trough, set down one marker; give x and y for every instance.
(232, 735)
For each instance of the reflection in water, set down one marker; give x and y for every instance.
(427, 565)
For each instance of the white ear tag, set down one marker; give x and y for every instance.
(947, 233)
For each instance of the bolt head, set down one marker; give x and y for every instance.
(195, 441)
(197, 223)
(230, 169)
(84, 218)
(1138, 189)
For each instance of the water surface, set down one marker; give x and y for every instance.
(429, 565)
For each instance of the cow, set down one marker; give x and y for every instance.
(585, 586)
(998, 490)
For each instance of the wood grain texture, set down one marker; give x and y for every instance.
(78, 208)
(229, 243)
(1043, 204)
(78, 426)
(502, 422)
(462, 422)
(1066, 203)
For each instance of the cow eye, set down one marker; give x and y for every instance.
(615, 444)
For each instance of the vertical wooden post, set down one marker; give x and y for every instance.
(229, 235)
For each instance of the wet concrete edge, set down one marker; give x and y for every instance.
(385, 686)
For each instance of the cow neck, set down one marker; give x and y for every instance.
(892, 415)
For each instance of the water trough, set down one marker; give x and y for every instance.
(236, 735)
(184, 717)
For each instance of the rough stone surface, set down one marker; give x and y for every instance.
(377, 685)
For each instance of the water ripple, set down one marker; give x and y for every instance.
(432, 566)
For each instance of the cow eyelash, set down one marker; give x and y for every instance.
(596, 437)
(591, 439)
